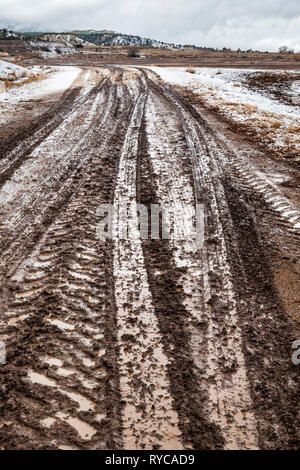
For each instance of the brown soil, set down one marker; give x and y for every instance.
(277, 85)
(189, 57)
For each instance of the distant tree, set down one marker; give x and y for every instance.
(285, 50)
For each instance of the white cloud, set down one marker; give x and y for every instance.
(252, 24)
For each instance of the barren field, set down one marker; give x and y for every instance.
(193, 57)
(144, 343)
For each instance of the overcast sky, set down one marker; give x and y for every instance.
(256, 24)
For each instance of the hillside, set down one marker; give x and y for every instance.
(100, 38)
(112, 38)
(66, 38)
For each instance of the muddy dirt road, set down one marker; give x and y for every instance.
(140, 343)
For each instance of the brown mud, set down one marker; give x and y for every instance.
(279, 85)
(214, 326)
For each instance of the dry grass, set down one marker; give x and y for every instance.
(241, 108)
(294, 130)
(191, 58)
(190, 70)
(11, 82)
(276, 124)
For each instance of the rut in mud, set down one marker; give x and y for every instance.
(140, 343)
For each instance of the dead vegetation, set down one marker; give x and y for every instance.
(14, 82)
(190, 58)
(190, 70)
(133, 52)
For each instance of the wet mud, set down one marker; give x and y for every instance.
(142, 343)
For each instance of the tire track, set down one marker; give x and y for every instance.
(15, 148)
(149, 420)
(66, 290)
(29, 202)
(177, 327)
(220, 359)
(266, 359)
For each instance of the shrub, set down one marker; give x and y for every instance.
(132, 52)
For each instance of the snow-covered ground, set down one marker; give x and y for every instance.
(8, 70)
(66, 39)
(57, 79)
(52, 49)
(225, 91)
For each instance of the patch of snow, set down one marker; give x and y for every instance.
(9, 70)
(52, 49)
(60, 79)
(224, 90)
(222, 82)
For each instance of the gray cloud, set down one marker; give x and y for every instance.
(256, 24)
